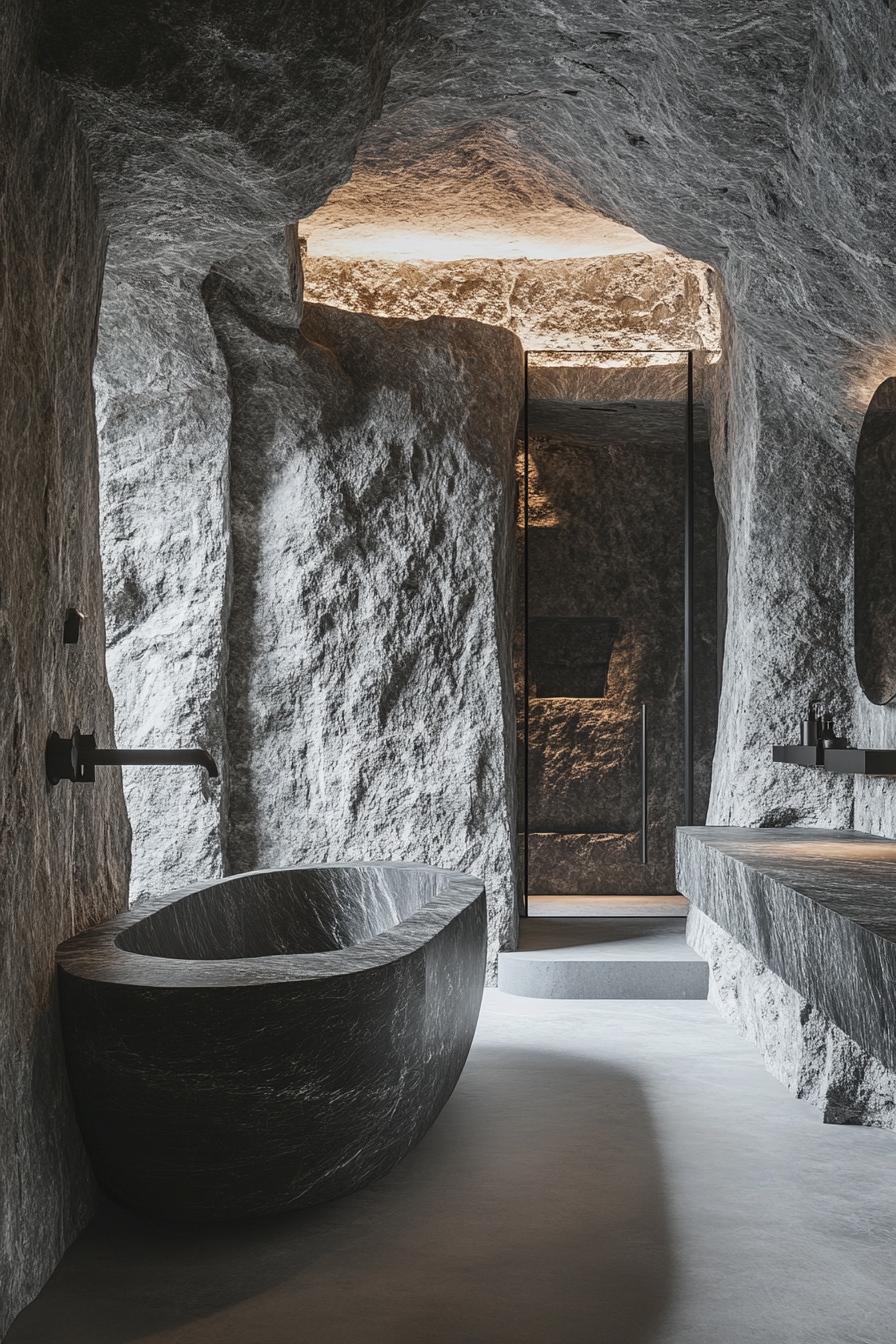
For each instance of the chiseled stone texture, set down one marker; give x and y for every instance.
(653, 300)
(209, 129)
(63, 850)
(164, 419)
(759, 143)
(801, 1047)
(300, 1030)
(799, 926)
(370, 692)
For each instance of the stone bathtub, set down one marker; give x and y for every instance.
(273, 1039)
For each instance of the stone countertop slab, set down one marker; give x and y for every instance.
(817, 907)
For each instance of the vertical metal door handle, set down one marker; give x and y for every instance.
(644, 817)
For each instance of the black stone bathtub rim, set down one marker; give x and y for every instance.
(95, 954)
(218, 1089)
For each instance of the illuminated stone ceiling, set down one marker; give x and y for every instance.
(456, 193)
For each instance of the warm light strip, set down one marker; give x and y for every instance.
(369, 243)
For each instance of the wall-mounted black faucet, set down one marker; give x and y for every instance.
(75, 757)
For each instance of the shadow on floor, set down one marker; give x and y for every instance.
(533, 1212)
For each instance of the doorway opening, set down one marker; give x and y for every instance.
(615, 651)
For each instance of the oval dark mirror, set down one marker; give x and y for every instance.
(875, 548)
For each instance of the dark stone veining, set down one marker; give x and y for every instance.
(817, 907)
(274, 1039)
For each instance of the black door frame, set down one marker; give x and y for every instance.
(688, 632)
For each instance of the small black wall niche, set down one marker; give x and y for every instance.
(875, 548)
(569, 656)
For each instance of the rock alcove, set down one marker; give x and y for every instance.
(587, 152)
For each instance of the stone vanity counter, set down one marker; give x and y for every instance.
(799, 929)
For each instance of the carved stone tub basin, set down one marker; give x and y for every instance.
(273, 1039)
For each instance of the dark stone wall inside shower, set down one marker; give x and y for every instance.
(606, 610)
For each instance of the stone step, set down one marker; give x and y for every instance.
(638, 958)
(595, 907)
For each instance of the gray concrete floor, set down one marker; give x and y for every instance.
(606, 1173)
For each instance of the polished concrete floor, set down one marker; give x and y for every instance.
(606, 1173)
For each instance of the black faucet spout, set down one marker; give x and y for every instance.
(75, 758)
(192, 756)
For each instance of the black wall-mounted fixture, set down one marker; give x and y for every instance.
(75, 758)
(839, 760)
(72, 627)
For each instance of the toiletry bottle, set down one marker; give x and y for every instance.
(809, 726)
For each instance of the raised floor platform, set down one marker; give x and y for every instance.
(603, 958)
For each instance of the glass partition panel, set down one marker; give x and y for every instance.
(616, 636)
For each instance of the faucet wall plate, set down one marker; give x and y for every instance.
(72, 627)
(71, 758)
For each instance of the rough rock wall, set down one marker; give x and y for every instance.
(644, 300)
(801, 1047)
(210, 128)
(785, 492)
(370, 692)
(164, 421)
(758, 142)
(63, 850)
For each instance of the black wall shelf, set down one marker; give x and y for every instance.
(839, 760)
(799, 755)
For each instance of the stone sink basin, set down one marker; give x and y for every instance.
(270, 1040)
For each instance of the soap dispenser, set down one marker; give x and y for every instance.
(827, 735)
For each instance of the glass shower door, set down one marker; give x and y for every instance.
(605, 486)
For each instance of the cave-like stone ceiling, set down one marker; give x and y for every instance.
(468, 191)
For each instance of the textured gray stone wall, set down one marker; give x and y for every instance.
(776, 174)
(208, 131)
(164, 420)
(370, 692)
(802, 1048)
(759, 144)
(63, 850)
